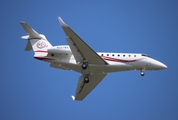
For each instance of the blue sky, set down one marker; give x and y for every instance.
(30, 89)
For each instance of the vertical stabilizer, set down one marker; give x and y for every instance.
(36, 41)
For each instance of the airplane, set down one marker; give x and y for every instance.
(80, 57)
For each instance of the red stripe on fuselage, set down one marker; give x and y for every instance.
(41, 51)
(118, 60)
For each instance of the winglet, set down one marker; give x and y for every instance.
(63, 24)
(73, 97)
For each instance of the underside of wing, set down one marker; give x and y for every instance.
(81, 51)
(83, 88)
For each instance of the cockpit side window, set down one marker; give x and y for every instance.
(145, 55)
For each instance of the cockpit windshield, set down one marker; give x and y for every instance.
(145, 55)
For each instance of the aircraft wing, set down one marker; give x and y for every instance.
(80, 50)
(83, 89)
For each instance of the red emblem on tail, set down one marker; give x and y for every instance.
(41, 44)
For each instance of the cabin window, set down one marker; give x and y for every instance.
(112, 54)
(129, 55)
(107, 54)
(123, 55)
(118, 55)
(101, 54)
(52, 54)
(134, 55)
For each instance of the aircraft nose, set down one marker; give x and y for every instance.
(162, 66)
(159, 65)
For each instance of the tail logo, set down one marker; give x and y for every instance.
(41, 44)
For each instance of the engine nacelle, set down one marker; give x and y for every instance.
(65, 49)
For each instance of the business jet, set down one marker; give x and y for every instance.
(80, 57)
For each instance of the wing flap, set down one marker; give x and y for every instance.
(75, 50)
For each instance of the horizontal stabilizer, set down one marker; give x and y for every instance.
(28, 46)
(30, 31)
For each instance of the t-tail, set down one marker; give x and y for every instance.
(36, 41)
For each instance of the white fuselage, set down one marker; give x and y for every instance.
(61, 57)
